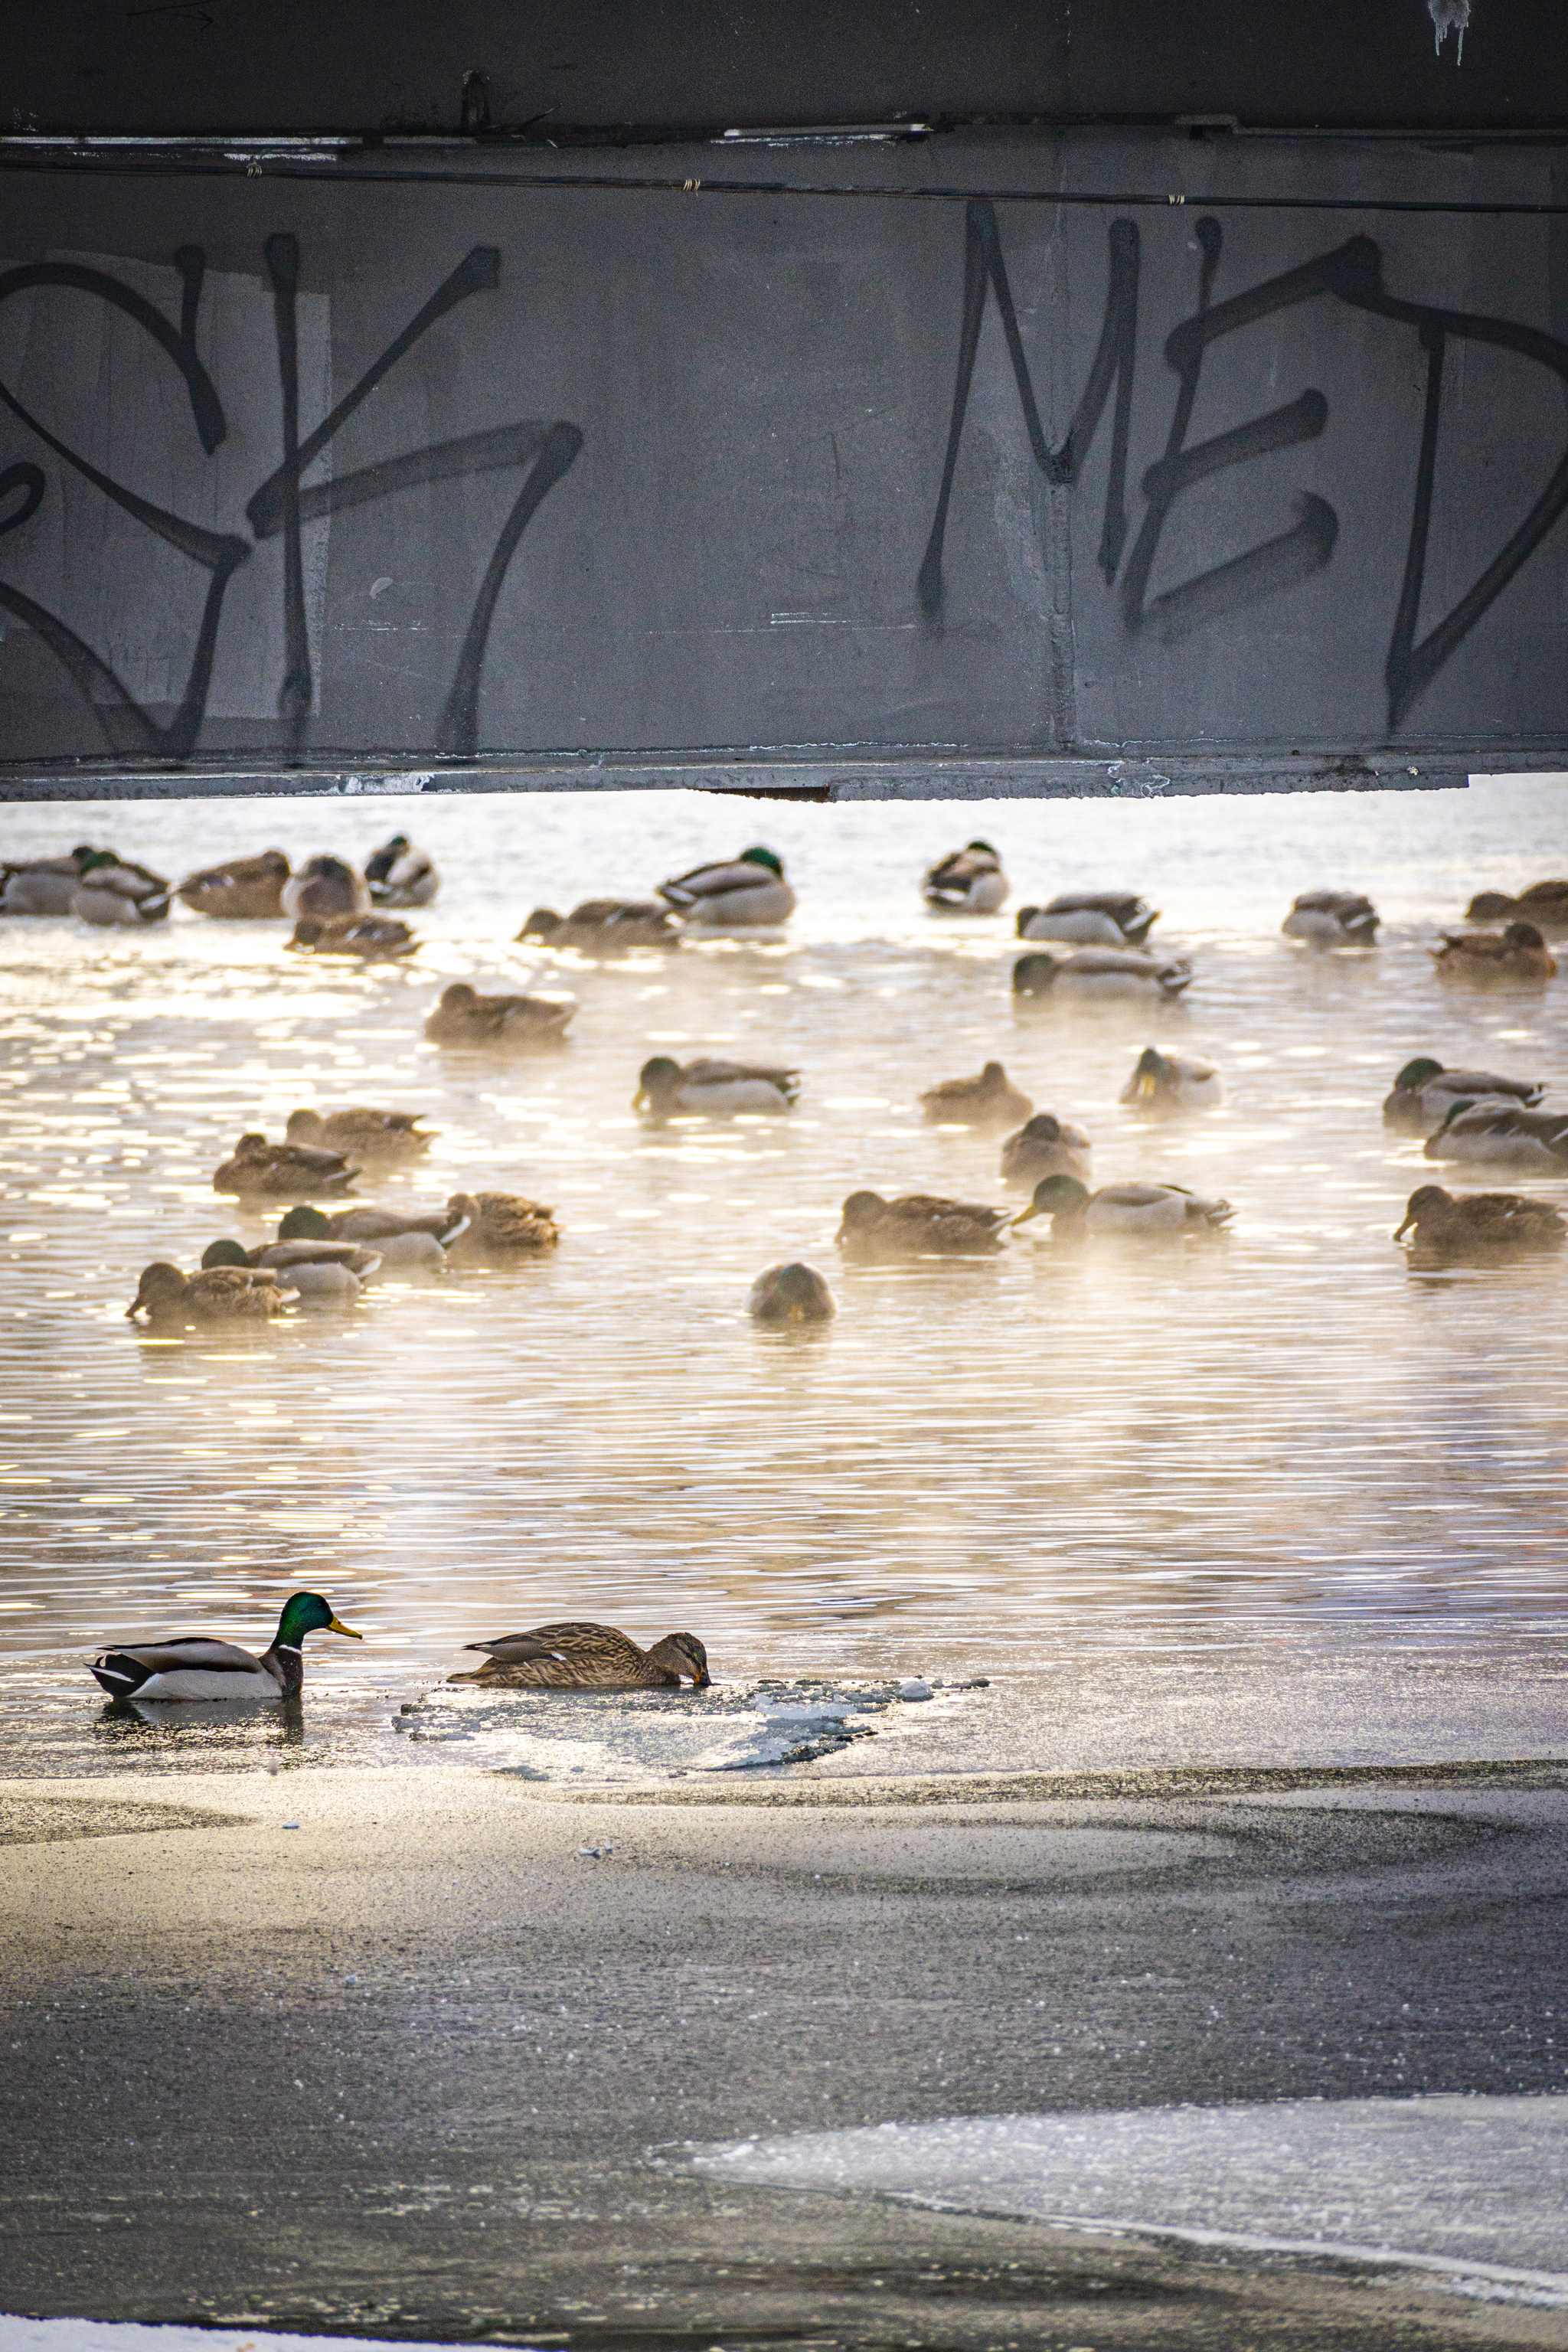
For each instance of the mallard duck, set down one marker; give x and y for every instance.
(1124, 1208)
(605, 926)
(1169, 1082)
(501, 1224)
(242, 889)
(990, 1100)
(374, 939)
(403, 1244)
(219, 1294)
(1105, 972)
(42, 885)
(1424, 1092)
(398, 875)
(970, 881)
(361, 1133)
(918, 1224)
(324, 887)
(712, 1089)
(1544, 903)
(1332, 918)
(194, 1666)
(1500, 1135)
(315, 1268)
(1518, 955)
(745, 891)
(1091, 919)
(114, 890)
(1447, 1225)
(1044, 1146)
(518, 1023)
(588, 1657)
(791, 1294)
(288, 1171)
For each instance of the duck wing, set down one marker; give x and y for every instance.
(714, 1071)
(715, 881)
(122, 1673)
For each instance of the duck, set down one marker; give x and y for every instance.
(219, 1294)
(791, 1294)
(1518, 953)
(501, 1225)
(712, 1089)
(374, 939)
(299, 1251)
(386, 1227)
(1124, 1208)
(1500, 1135)
(1171, 1082)
(113, 890)
(740, 894)
(398, 875)
(605, 926)
(1448, 1224)
(1424, 1092)
(1091, 919)
(1544, 903)
(990, 1100)
(361, 1133)
(42, 885)
(519, 1023)
(969, 881)
(1332, 918)
(1103, 972)
(588, 1657)
(410, 1246)
(918, 1224)
(241, 889)
(288, 1172)
(194, 1666)
(324, 887)
(1044, 1146)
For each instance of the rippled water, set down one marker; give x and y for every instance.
(1281, 1429)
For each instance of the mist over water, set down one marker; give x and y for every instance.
(1278, 1434)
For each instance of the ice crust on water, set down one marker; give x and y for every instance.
(19, 2335)
(1467, 2188)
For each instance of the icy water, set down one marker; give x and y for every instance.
(1282, 1433)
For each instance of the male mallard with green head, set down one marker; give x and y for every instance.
(194, 1666)
(588, 1657)
(791, 1294)
(1500, 1135)
(969, 881)
(1131, 1208)
(115, 890)
(398, 875)
(1044, 1146)
(1101, 974)
(712, 1089)
(43, 886)
(1332, 918)
(1091, 919)
(1424, 1093)
(1163, 1083)
(742, 893)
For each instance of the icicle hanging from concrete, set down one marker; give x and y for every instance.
(1449, 16)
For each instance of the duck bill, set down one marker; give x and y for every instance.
(640, 1100)
(1147, 1089)
(1025, 1215)
(704, 1680)
(1400, 1231)
(336, 1625)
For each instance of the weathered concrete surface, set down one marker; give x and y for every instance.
(399, 2070)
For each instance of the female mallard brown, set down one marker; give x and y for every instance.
(605, 926)
(1545, 903)
(373, 937)
(194, 1666)
(520, 1023)
(242, 889)
(1519, 955)
(990, 1100)
(360, 1133)
(325, 887)
(1162, 1084)
(1447, 1225)
(501, 1226)
(918, 1224)
(1091, 919)
(219, 1293)
(283, 1171)
(588, 1657)
(1044, 1146)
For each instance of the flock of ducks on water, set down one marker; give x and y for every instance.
(1474, 1117)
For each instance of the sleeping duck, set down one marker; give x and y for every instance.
(1494, 1224)
(1332, 918)
(374, 939)
(242, 889)
(398, 875)
(288, 1171)
(1133, 1209)
(748, 891)
(712, 1089)
(324, 887)
(191, 1666)
(791, 1294)
(401, 1244)
(1163, 1083)
(362, 1133)
(335, 1271)
(990, 1100)
(968, 882)
(1091, 919)
(522, 1024)
(918, 1224)
(605, 926)
(1105, 973)
(1517, 955)
(114, 890)
(42, 885)
(1424, 1092)
(1044, 1146)
(1544, 904)
(1501, 1135)
(219, 1294)
(588, 1657)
